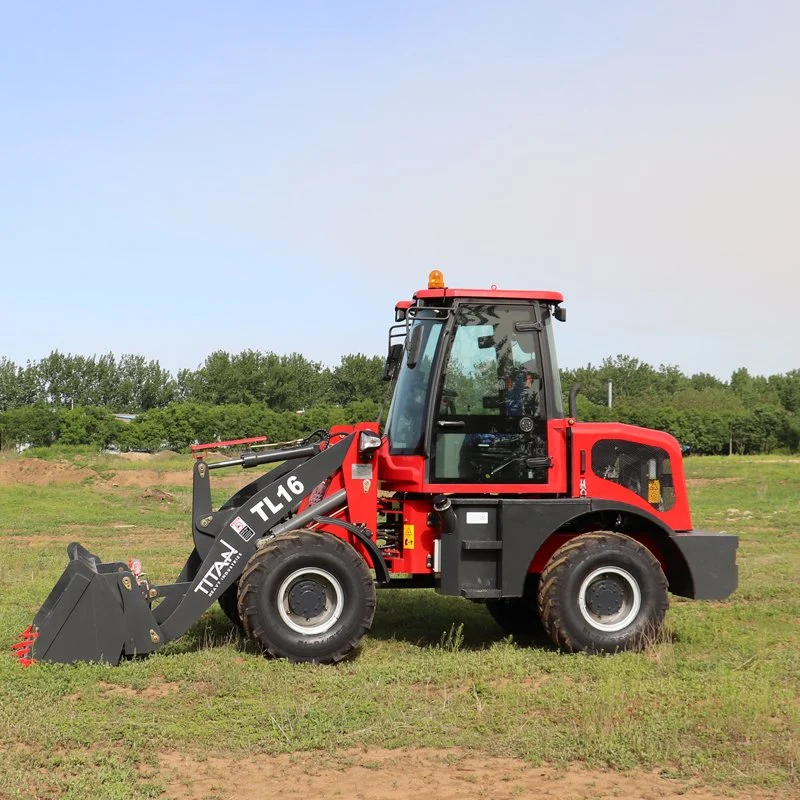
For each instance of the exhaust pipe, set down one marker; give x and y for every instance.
(573, 402)
(443, 506)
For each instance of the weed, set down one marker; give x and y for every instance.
(453, 640)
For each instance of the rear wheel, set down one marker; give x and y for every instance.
(602, 592)
(307, 596)
(518, 616)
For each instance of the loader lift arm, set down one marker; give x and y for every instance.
(101, 611)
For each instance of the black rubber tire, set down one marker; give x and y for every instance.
(519, 616)
(562, 580)
(268, 570)
(229, 603)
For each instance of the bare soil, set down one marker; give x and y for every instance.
(122, 535)
(38, 472)
(162, 454)
(147, 478)
(155, 692)
(439, 774)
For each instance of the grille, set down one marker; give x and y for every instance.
(642, 469)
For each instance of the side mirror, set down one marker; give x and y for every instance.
(400, 314)
(414, 346)
(560, 313)
(392, 361)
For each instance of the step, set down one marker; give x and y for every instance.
(481, 544)
(481, 594)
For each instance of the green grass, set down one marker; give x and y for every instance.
(94, 458)
(719, 700)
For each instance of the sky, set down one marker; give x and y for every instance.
(178, 178)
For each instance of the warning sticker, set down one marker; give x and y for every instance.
(245, 532)
(408, 537)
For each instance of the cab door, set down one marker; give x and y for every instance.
(490, 423)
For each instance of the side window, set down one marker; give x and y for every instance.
(405, 423)
(642, 469)
(490, 419)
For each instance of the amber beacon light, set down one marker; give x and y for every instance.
(436, 279)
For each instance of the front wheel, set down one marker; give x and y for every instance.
(602, 592)
(307, 596)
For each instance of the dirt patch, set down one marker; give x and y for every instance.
(149, 478)
(161, 455)
(692, 482)
(445, 694)
(446, 774)
(130, 536)
(154, 692)
(442, 694)
(38, 472)
(531, 682)
(26, 540)
(156, 494)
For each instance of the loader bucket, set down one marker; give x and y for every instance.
(95, 612)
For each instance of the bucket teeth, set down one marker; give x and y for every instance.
(22, 648)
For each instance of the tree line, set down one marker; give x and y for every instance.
(746, 414)
(72, 400)
(176, 426)
(134, 384)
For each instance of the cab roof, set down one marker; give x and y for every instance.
(488, 294)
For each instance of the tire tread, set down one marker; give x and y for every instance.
(267, 558)
(566, 559)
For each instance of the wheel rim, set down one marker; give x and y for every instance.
(310, 601)
(609, 599)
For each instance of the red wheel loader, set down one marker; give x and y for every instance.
(479, 485)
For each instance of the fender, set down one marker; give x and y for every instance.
(378, 564)
(524, 527)
(525, 532)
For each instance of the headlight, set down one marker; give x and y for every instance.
(368, 443)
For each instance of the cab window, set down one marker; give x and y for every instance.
(490, 418)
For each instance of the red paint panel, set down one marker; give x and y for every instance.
(362, 492)
(586, 434)
(488, 294)
(414, 560)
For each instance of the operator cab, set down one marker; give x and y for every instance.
(477, 386)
